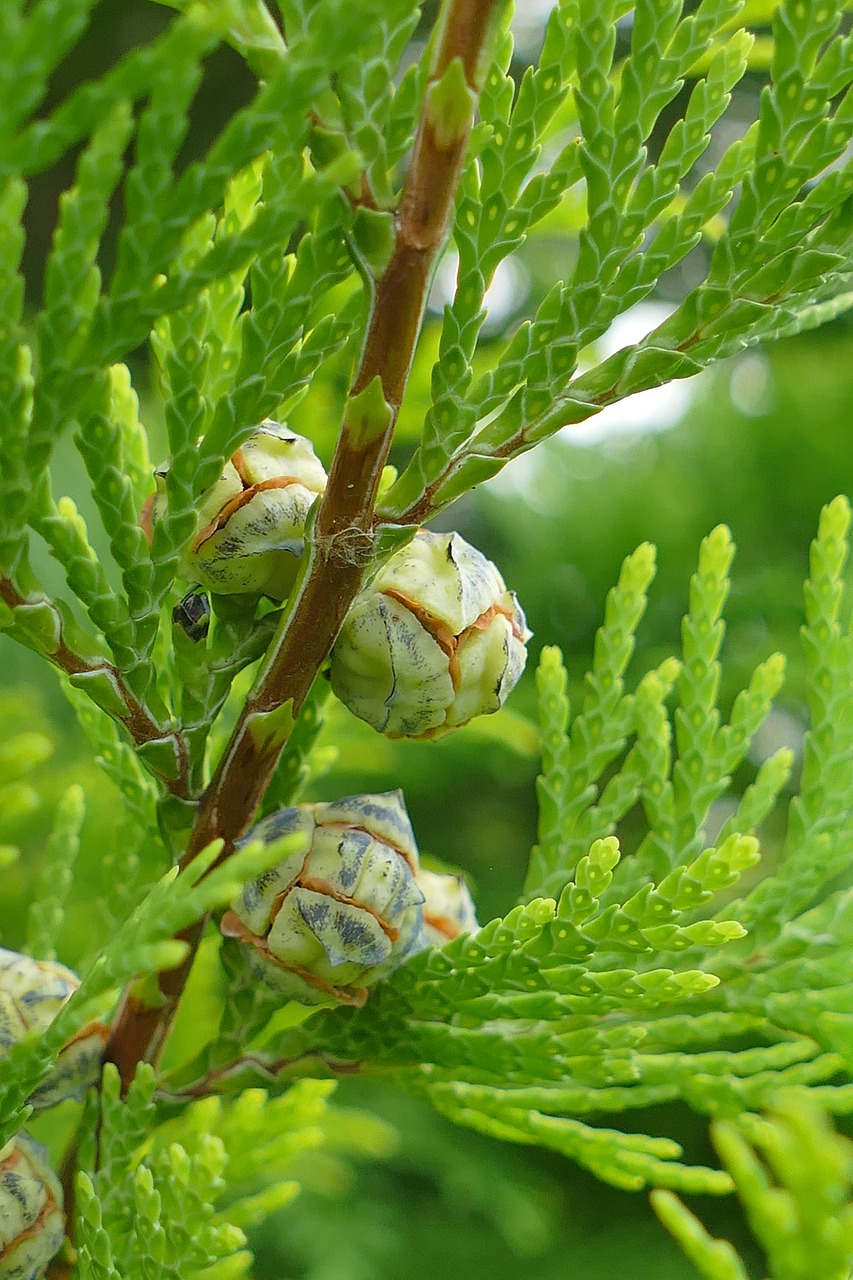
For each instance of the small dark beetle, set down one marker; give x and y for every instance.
(192, 615)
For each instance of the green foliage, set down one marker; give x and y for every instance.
(794, 1176)
(20, 755)
(46, 912)
(174, 1197)
(624, 989)
(251, 261)
(599, 731)
(820, 816)
(641, 219)
(153, 1216)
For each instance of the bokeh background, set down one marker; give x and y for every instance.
(759, 443)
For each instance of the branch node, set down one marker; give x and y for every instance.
(350, 548)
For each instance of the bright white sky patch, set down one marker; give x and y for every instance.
(751, 384)
(648, 411)
(655, 410)
(528, 25)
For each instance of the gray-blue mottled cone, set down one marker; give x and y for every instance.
(31, 994)
(329, 923)
(433, 640)
(32, 1224)
(449, 909)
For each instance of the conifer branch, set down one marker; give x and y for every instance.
(622, 979)
(343, 538)
(123, 706)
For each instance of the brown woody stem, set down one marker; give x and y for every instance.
(343, 535)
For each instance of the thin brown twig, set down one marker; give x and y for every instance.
(139, 723)
(60, 1268)
(268, 1068)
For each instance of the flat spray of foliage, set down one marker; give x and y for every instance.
(304, 240)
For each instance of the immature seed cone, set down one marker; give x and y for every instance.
(32, 1224)
(31, 994)
(448, 908)
(329, 923)
(251, 522)
(434, 640)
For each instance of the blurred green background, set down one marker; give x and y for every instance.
(760, 443)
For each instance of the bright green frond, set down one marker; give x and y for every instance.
(794, 1177)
